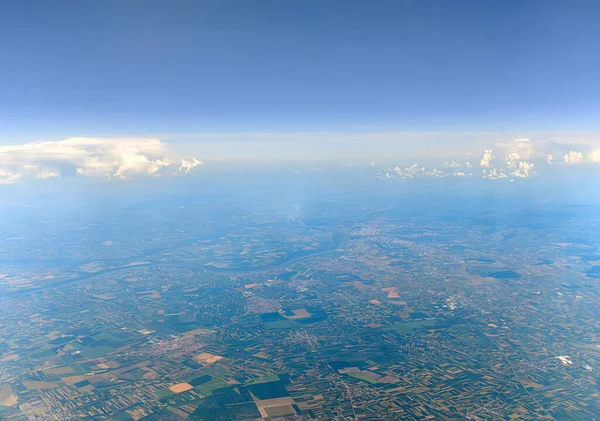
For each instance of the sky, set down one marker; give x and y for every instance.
(276, 80)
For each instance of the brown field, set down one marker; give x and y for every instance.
(264, 406)
(6, 396)
(108, 364)
(73, 379)
(299, 314)
(180, 387)
(105, 296)
(207, 358)
(10, 357)
(155, 295)
(198, 331)
(262, 355)
(532, 384)
(279, 411)
(392, 292)
(151, 375)
(38, 385)
(58, 371)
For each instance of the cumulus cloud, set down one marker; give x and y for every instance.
(140, 164)
(573, 157)
(524, 148)
(435, 173)
(595, 155)
(185, 167)
(118, 158)
(452, 164)
(524, 170)
(8, 177)
(512, 160)
(486, 158)
(414, 170)
(493, 174)
(417, 170)
(549, 159)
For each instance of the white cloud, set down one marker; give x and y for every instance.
(372, 164)
(594, 155)
(461, 174)
(120, 158)
(8, 177)
(452, 164)
(493, 174)
(186, 167)
(140, 164)
(549, 159)
(410, 172)
(384, 174)
(47, 174)
(524, 170)
(435, 173)
(416, 170)
(521, 147)
(573, 157)
(486, 158)
(512, 160)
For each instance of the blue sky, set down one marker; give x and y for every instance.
(96, 68)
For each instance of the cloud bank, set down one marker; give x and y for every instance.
(114, 158)
(125, 158)
(515, 159)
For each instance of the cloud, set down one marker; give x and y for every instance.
(186, 167)
(594, 155)
(47, 174)
(435, 173)
(140, 164)
(512, 160)
(573, 157)
(372, 164)
(417, 170)
(549, 159)
(493, 174)
(522, 147)
(524, 170)
(486, 158)
(452, 164)
(8, 177)
(117, 158)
